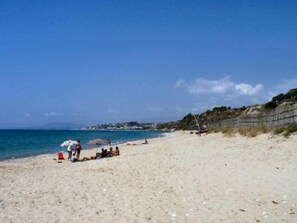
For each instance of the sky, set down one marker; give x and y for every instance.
(91, 62)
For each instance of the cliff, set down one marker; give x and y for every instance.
(281, 111)
(283, 115)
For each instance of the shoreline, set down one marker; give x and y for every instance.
(64, 150)
(179, 178)
(88, 150)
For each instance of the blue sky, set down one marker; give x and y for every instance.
(93, 62)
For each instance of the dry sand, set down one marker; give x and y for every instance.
(179, 178)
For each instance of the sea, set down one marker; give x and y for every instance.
(24, 143)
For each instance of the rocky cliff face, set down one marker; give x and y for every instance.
(284, 114)
(280, 111)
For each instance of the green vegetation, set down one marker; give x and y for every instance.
(290, 95)
(279, 130)
(270, 105)
(187, 123)
(213, 130)
(278, 98)
(221, 113)
(291, 129)
(167, 126)
(222, 108)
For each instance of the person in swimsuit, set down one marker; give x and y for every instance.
(116, 152)
(109, 153)
(78, 148)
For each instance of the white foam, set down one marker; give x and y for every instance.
(166, 134)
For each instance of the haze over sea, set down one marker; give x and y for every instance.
(24, 143)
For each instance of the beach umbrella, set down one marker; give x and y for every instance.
(97, 142)
(68, 143)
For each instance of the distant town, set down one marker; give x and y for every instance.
(123, 126)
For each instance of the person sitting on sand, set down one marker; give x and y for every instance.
(103, 153)
(100, 155)
(116, 152)
(109, 153)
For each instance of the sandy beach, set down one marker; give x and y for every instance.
(178, 178)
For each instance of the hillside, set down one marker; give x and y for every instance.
(280, 111)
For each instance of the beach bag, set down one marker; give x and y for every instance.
(60, 156)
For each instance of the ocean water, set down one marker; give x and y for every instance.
(24, 143)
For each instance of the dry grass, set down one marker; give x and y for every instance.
(290, 129)
(278, 130)
(248, 131)
(214, 130)
(253, 131)
(230, 131)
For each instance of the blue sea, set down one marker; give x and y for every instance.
(24, 143)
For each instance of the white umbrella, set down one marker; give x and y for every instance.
(68, 143)
(97, 142)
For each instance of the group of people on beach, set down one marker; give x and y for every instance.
(74, 151)
(104, 154)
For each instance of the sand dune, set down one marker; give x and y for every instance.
(179, 178)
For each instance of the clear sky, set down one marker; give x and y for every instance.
(92, 62)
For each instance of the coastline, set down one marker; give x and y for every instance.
(37, 146)
(87, 151)
(178, 178)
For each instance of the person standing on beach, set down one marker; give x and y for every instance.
(78, 148)
(109, 142)
(70, 149)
